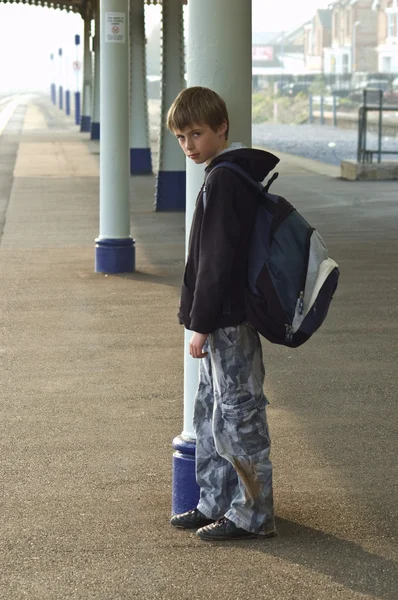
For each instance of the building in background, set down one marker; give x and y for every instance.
(354, 38)
(318, 36)
(278, 56)
(289, 49)
(387, 35)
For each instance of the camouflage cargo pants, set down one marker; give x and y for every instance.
(233, 468)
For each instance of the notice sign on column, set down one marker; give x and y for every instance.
(115, 27)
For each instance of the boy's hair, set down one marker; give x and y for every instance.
(197, 105)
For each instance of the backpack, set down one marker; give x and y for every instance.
(291, 279)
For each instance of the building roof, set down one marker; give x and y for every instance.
(325, 17)
(264, 37)
(341, 3)
(289, 36)
(70, 5)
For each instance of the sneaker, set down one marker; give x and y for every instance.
(224, 529)
(190, 520)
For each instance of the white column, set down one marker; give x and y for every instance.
(115, 252)
(95, 121)
(85, 124)
(61, 81)
(219, 57)
(171, 180)
(53, 87)
(140, 151)
(67, 65)
(77, 81)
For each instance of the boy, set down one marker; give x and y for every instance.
(233, 468)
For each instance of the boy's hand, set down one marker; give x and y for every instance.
(196, 344)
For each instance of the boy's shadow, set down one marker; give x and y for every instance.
(171, 278)
(344, 562)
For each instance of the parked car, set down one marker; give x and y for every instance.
(373, 94)
(391, 96)
(341, 90)
(292, 89)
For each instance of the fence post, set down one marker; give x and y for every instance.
(334, 111)
(322, 110)
(360, 134)
(310, 109)
(380, 125)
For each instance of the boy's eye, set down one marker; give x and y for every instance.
(196, 134)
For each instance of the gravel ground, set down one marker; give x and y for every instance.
(319, 142)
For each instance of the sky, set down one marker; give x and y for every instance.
(268, 15)
(282, 15)
(44, 30)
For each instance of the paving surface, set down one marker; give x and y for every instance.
(92, 383)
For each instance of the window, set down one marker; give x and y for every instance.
(392, 22)
(386, 64)
(390, 25)
(337, 26)
(310, 35)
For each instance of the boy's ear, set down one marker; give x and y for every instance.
(223, 129)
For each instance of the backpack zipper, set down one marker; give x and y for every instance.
(289, 333)
(301, 303)
(307, 258)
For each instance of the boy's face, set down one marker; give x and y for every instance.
(200, 143)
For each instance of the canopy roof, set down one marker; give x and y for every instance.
(69, 5)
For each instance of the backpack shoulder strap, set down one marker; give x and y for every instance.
(258, 187)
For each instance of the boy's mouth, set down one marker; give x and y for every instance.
(193, 156)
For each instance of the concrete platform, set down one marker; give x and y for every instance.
(92, 383)
(355, 171)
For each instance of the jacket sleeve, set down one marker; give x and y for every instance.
(219, 242)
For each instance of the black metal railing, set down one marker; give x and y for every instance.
(375, 97)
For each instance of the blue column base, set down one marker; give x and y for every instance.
(67, 102)
(77, 108)
(95, 131)
(61, 97)
(140, 161)
(54, 93)
(115, 255)
(170, 191)
(185, 490)
(85, 124)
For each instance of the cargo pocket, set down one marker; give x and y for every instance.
(245, 425)
(229, 335)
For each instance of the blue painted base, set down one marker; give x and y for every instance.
(115, 255)
(54, 93)
(170, 191)
(95, 131)
(67, 102)
(77, 108)
(85, 124)
(185, 490)
(140, 161)
(61, 97)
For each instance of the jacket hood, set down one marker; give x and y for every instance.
(258, 163)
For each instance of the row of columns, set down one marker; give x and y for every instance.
(170, 189)
(140, 152)
(60, 92)
(171, 180)
(219, 57)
